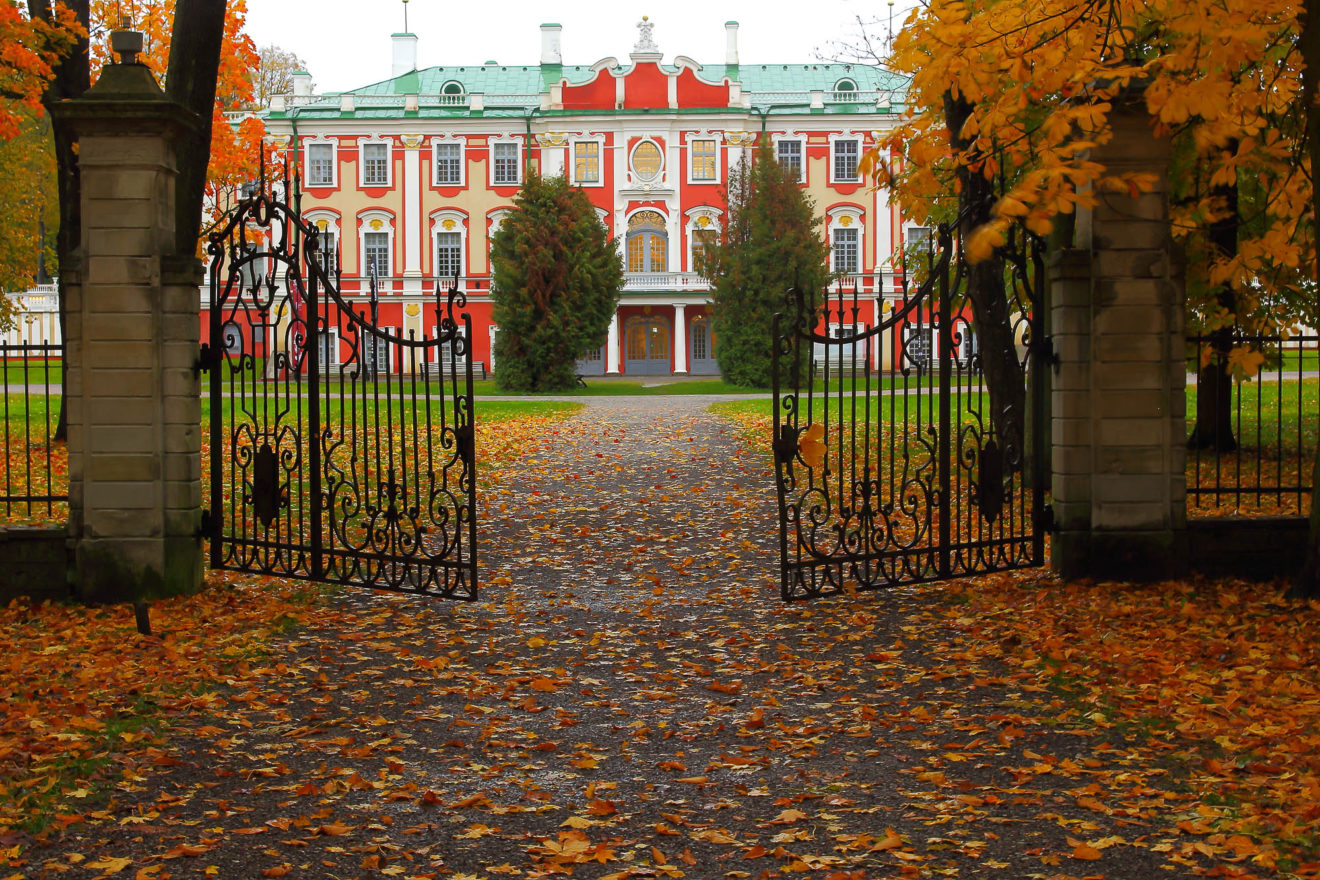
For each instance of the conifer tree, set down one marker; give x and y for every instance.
(771, 243)
(557, 278)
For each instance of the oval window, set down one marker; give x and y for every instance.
(646, 160)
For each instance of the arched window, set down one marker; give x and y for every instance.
(648, 243)
(845, 90)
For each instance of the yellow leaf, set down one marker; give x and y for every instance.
(811, 445)
(110, 865)
(1083, 851)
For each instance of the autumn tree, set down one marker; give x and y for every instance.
(771, 243)
(556, 282)
(274, 72)
(28, 204)
(1015, 94)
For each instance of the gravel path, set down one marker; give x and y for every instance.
(630, 699)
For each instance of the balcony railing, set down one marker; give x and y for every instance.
(637, 281)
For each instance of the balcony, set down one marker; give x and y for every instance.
(639, 282)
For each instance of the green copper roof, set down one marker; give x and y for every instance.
(510, 90)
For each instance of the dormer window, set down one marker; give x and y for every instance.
(452, 93)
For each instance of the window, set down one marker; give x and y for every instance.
(648, 243)
(844, 251)
(845, 90)
(586, 162)
(449, 164)
(375, 164)
(452, 93)
(647, 161)
(702, 241)
(320, 165)
(703, 159)
(845, 161)
(327, 348)
(376, 253)
(917, 239)
(789, 154)
(375, 356)
(700, 338)
(505, 164)
(449, 254)
(326, 255)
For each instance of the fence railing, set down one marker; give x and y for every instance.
(35, 485)
(1252, 443)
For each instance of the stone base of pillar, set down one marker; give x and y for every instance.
(1129, 555)
(125, 569)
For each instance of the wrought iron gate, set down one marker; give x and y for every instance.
(340, 451)
(892, 466)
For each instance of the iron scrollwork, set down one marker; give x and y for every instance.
(342, 450)
(889, 468)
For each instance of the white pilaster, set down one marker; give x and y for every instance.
(680, 338)
(414, 231)
(612, 347)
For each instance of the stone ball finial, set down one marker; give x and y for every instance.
(126, 44)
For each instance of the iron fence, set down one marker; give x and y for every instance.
(36, 474)
(1252, 442)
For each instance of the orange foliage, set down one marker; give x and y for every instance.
(1222, 77)
(236, 136)
(28, 49)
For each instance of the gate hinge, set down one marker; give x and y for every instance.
(1044, 350)
(204, 530)
(786, 444)
(467, 446)
(207, 358)
(1045, 519)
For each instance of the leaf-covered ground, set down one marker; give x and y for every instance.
(631, 700)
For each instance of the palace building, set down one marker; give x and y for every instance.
(410, 177)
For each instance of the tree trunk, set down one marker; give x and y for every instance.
(1307, 583)
(1214, 384)
(72, 78)
(190, 80)
(993, 321)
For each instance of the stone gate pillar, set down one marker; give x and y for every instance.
(132, 305)
(1119, 396)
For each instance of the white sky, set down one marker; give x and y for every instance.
(347, 46)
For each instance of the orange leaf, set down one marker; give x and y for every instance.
(277, 871)
(1083, 851)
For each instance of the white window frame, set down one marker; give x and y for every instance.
(447, 141)
(330, 341)
(375, 343)
(835, 141)
(715, 156)
(694, 216)
(600, 161)
(315, 218)
(837, 235)
(848, 217)
(365, 142)
(660, 174)
(440, 351)
(802, 154)
(333, 144)
(364, 227)
(449, 221)
(911, 242)
(504, 141)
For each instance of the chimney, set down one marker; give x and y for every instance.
(731, 43)
(550, 51)
(405, 53)
(302, 83)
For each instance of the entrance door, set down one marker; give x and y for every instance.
(646, 346)
(702, 348)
